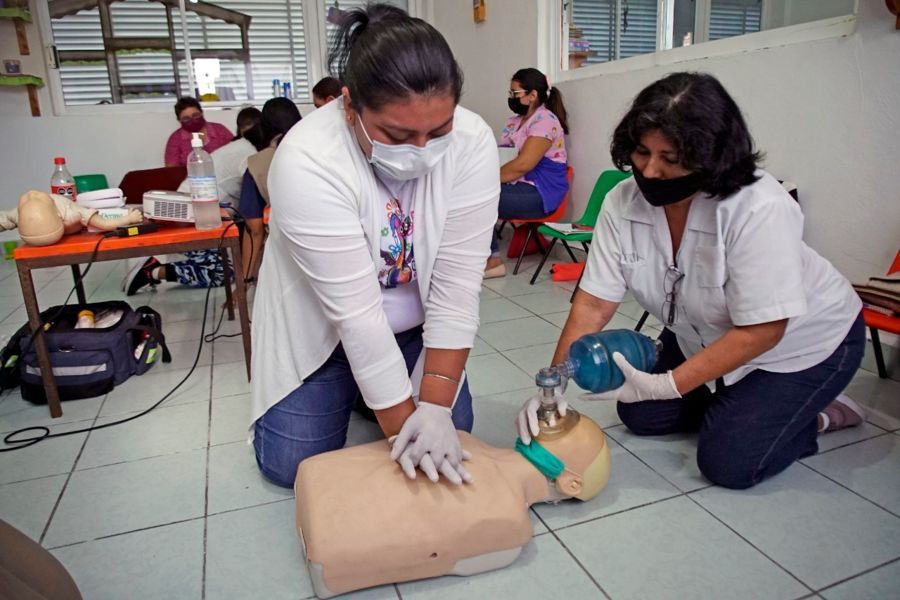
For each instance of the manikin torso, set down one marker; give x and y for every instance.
(363, 523)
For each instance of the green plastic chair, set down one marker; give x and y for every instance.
(607, 181)
(88, 183)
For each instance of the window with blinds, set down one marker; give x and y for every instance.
(277, 50)
(604, 30)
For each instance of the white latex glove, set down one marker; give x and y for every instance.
(527, 421)
(428, 440)
(638, 385)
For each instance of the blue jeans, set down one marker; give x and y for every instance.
(757, 427)
(314, 417)
(518, 201)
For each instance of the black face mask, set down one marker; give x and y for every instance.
(516, 106)
(660, 192)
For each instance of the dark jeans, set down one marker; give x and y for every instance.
(518, 201)
(757, 427)
(314, 417)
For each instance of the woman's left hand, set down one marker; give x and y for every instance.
(638, 385)
(428, 440)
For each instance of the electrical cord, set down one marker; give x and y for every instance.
(25, 443)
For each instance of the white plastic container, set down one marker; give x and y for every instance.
(202, 182)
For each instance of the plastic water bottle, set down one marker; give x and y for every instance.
(202, 183)
(276, 88)
(62, 182)
(286, 86)
(590, 361)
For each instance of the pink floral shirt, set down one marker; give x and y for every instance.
(543, 123)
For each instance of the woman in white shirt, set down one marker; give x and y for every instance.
(382, 206)
(712, 246)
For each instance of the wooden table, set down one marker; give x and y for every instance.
(73, 250)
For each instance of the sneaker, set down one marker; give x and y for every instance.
(140, 275)
(493, 272)
(842, 412)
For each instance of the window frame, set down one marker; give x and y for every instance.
(316, 56)
(553, 42)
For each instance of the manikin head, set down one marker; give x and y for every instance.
(579, 443)
(40, 223)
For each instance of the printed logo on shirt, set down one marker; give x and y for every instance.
(398, 263)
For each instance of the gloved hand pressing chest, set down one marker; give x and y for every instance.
(428, 440)
(638, 385)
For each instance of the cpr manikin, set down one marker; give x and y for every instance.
(363, 523)
(42, 219)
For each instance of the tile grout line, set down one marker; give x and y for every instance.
(70, 474)
(852, 491)
(580, 565)
(858, 575)
(748, 542)
(206, 483)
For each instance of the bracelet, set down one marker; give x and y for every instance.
(439, 376)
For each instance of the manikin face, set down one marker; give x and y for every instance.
(414, 120)
(656, 158)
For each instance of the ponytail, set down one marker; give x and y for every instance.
(532, 79)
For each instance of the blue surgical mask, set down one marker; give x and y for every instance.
(402, 162)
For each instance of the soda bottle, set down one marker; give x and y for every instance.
(590, 361)
(287, 90)
(201, 177)
(62, 182)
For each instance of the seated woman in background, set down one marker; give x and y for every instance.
(190, 114)
(278, 116)
(534, 182)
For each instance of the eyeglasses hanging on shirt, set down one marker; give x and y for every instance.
(671, 283)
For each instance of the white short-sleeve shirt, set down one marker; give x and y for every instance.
(744, 263)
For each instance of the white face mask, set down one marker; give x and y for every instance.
(402, 162)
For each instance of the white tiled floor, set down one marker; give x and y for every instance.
(171, 505)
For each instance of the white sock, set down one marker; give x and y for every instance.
(825, 422)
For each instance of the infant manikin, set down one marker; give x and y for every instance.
(42, 219)
(363, 523)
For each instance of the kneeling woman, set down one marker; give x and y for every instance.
(712, 246)
(383, 202)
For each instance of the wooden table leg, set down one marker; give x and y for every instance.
(79, 285)
(229, 301)
(240, 292)
(40, 343)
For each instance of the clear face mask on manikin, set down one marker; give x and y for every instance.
(402, 162)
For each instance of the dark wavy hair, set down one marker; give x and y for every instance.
(186, 102)
(532, 79)
(278, 116)
(327, 86)
(704, 124)
(382, 54)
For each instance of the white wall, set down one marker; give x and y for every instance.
(491, 51)
(825, 113)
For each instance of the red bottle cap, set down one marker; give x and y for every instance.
(59, 160)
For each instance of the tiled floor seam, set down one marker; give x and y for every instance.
(860, 574)
(620, 512)
(883, 433)
(206, 482)
(852, 491)
(751, 544)
(65, 485)
(130, 531)
(580, 565)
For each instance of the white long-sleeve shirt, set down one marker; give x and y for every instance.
(318, 283)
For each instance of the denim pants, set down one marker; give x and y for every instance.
(756, 427)
(518, 201)
(314, 417)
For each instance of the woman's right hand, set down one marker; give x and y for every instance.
(428, 441)
(527, 420)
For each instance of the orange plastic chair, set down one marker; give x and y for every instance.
(533, 224)
(877, 321)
